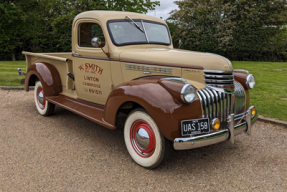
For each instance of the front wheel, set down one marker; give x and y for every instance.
(143, 140)
(43, 106)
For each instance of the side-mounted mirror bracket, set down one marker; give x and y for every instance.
(97, 42)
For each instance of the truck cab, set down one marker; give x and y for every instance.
(124, 62)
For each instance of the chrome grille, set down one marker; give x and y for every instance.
(221, 79)
(239, 105)
(215, 104)
(218, 104)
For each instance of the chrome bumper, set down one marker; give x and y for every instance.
(220, 136)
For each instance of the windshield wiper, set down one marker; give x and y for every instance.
(136, 25)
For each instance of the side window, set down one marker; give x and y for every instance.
(87, 31)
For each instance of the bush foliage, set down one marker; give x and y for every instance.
(45, 25)
(237, 29)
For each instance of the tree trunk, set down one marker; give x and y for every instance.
(13, 57)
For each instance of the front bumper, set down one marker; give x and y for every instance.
(220, 136)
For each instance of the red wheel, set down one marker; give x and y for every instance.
(43, 106)
(143, 140)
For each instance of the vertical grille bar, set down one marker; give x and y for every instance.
(227, 105)
(224, 107)
(209, 102)
(203, 104)
(216, 104)
(212, 103)
(221, 106)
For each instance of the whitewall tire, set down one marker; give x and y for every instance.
(143, 139)
(43, 106)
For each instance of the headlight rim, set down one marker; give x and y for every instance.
(183, 93)
(248, 81)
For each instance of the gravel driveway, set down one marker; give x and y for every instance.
(66, 152)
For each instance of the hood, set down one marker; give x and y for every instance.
(176, 58)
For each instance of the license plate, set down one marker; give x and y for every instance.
(194, 126)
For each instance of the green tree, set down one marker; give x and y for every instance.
(15, 25)
(45, 25)
(238, 29)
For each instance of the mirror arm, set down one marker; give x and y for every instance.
(107, 54)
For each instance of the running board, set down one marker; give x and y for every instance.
(85, 109)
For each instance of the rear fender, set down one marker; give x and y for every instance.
(48, 75)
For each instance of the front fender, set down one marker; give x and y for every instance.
(49, 77)
(163, 107)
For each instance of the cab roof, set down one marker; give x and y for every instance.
(104, 16)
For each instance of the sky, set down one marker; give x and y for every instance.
(166, 6)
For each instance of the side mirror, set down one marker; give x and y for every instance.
(96, 42)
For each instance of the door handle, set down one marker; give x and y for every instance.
(75, 53)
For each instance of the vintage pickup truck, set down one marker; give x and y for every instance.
(125, 62)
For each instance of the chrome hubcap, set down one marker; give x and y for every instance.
(142, 138)
(41, 98)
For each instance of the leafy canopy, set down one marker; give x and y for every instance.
(45, 25)
(238, 29)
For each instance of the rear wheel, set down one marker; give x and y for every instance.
(43, 106)
(143, 140)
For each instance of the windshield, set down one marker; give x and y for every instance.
(124, 32)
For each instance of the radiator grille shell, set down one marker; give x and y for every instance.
(220, 104)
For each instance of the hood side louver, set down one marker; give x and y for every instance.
(144, 68)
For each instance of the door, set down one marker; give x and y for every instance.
(91, 65)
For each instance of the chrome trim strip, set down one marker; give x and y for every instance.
(217, 71)
(217, 137)
(218, 81)
(175, 79)
(241, 71)
(221, 85)
(221, 79)
(228, 76)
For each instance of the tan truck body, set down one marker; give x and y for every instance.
(112, 78)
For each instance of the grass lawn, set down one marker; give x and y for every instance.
(269, 95)
(8, 73)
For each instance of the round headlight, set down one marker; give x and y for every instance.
(250, 81)
(188, 93)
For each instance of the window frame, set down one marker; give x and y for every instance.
(79, 32)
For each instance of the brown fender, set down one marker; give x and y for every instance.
(49, 77)
(241, 78)
(163, 107)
